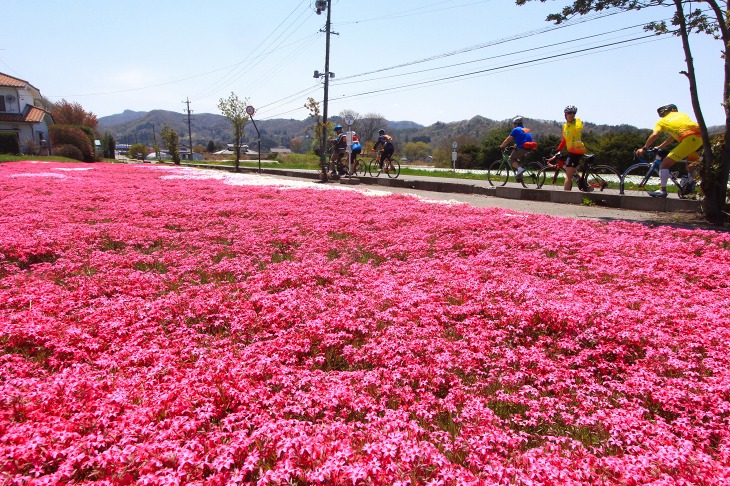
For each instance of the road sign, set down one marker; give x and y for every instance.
(250, 110)
(454, 145)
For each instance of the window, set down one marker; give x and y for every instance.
(2, 103)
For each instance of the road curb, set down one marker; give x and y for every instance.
(636, 203)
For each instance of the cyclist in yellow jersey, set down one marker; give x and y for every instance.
(571, 141)
(681, 128)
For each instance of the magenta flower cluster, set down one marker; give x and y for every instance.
(160, 330)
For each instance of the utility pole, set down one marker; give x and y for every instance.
(320, 5)
(190, 132)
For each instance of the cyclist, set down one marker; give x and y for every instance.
(356, 151)
(681, 128)
(339, 149)
(571, 141)
(388, 148)
(519, 135)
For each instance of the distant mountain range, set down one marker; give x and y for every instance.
(145, 126)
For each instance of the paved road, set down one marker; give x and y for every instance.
(538, 207)
(479, 193)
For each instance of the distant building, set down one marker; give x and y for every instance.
(279, 150)
(232, 148)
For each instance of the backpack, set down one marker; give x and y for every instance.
(529, 144)
(355, 143)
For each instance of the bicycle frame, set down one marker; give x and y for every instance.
(652, 160)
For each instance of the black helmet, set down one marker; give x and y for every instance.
(666, 109)
(518, 121)
(570, 109)
(381, 132)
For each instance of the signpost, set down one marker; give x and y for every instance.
(250, 110)
(453, 154)
(349, 121)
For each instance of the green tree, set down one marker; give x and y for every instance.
(235, 110)
(110, 145)
(492, 140)
(211, 147)
(172, 140)
(319, 132)
(138, 151)
(689, 17)
(416, 151)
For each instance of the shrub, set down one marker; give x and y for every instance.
(71, 135)
(138, 151)
(31, 147)
(9, 143)
(67, 150)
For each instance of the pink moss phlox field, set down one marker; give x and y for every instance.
(161, 330)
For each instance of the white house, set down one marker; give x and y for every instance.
(21, 113)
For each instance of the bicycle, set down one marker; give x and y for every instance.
(498, 173)
(392, 168)
(588, 177)
(643, 177)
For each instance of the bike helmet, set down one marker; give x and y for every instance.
(666, 109)
(570, 109)
(338, 127)
(381, 132)
(518, 121)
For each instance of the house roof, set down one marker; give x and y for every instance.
(9, 81)
(31, 114)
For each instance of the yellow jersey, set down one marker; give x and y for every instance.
(679, 125)
(571, 137)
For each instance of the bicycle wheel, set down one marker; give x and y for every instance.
(637, 180)
(498, 173)
(601, 178)
(394, 169)
(551, 177)
(361, 167)
(374, 168)
(531, 175)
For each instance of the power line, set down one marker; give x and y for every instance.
(481, 71)
(487, 44)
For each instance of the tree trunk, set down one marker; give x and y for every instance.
(713, 204)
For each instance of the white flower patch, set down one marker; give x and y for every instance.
(253, 179)
(40, 174)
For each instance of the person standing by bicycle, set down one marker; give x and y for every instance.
(386, 141)
(681, 128)
(572, 143)
(339, 149)
(519, 135)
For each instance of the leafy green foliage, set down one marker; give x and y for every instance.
(138, 151)
(416, 150)
(172, 139)
(109, 144)
(9, 143)
(235, 110)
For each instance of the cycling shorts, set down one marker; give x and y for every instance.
(571, 160)
(687, 148)
(517, 155)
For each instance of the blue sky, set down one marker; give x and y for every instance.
(425, 61)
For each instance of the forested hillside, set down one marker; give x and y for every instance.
(477, 138)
